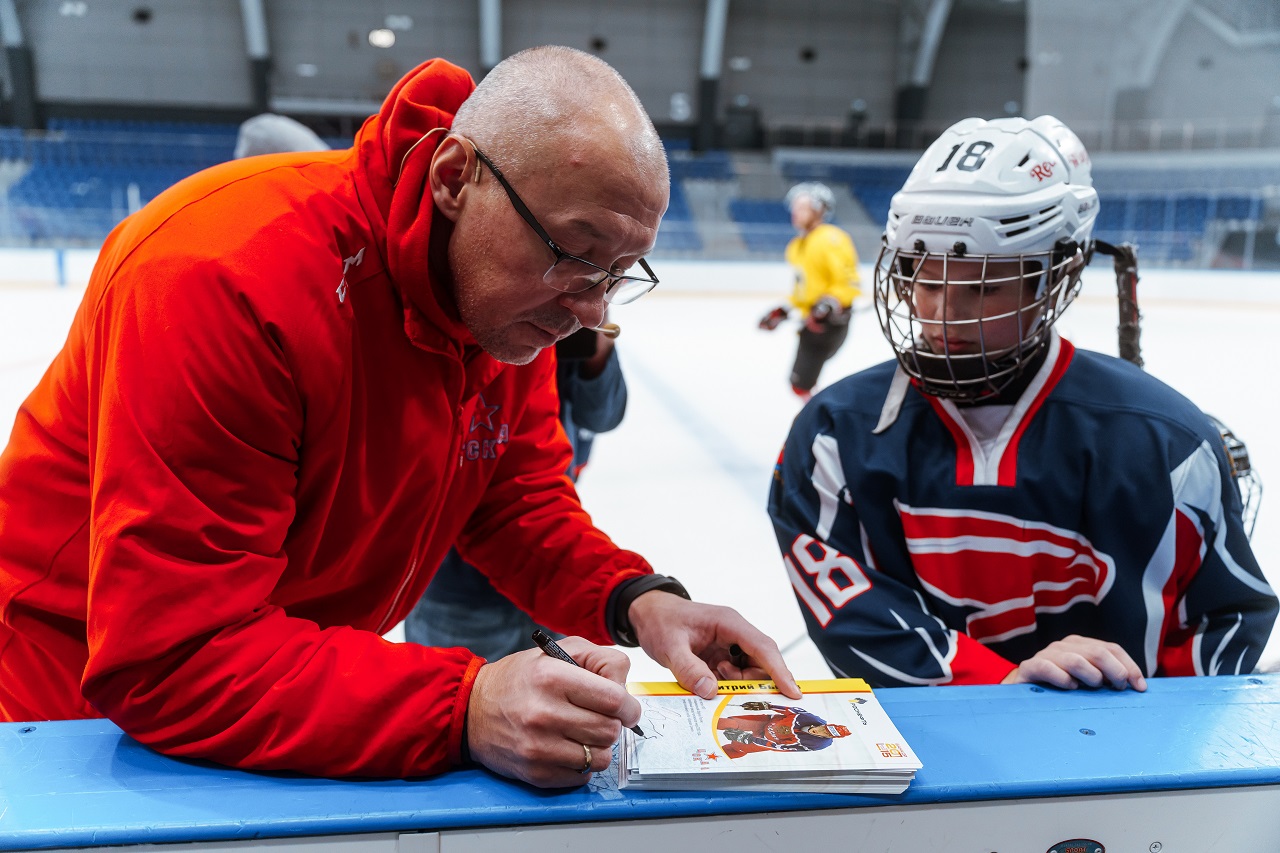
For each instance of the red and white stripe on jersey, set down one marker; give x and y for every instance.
(1171, 645)
(974, 466)
(1008, 568)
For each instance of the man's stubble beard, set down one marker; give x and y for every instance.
(473, 308)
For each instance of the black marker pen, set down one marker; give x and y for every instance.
(552, 649)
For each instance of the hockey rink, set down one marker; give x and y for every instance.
(684, 480)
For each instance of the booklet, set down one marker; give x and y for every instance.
(836, 738)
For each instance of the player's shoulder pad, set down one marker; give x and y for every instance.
(854, 402)
(1105, 381)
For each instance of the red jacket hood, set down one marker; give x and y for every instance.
(395, 152)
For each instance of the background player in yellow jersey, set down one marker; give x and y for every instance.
(825, 264)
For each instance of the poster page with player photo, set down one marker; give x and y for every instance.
(837, 738)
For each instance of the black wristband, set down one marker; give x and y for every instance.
(617, 616)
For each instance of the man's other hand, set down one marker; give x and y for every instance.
(691, 639)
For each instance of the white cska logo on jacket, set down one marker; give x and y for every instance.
(348, 263)
(483, 448)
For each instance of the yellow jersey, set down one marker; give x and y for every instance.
(826, 264)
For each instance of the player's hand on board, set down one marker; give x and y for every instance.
(693, 640)
(530, 716)
(1077, 661)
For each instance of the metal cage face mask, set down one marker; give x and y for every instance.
(966, 327)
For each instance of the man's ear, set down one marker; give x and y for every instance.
(451, 170)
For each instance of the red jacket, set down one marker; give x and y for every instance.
(264, 431)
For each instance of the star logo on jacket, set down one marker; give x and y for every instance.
(483, 416)
(487, 448)
(347, 263)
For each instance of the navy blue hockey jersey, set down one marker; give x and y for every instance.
(1105, 508)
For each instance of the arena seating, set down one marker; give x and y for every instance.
(71, 185)
(678, 232)
(1169, 226)
(84, 176)
(873, 186)
(765, 224)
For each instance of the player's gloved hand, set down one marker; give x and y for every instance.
(737, 735)
(821, 313)
(755, 706)
(534, 718)
(1077, 661)
(774, 318)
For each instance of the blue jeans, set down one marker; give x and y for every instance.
(461, 608)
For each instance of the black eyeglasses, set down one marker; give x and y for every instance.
(570, 273)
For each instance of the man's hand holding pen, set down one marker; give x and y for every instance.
(532, 717)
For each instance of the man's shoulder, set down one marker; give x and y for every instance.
(248, 228)
(282, 200)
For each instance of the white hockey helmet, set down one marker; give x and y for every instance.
(268, 133)
(1006, 190)
(819, 194)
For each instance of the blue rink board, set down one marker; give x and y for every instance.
(84, 783)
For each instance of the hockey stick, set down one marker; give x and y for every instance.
(1125, 261)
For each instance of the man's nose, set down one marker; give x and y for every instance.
(588, 306)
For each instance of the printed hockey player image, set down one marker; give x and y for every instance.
(789, 729)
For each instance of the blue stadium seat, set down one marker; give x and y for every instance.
(765, 224)
(1190, 213)
(77, 187)
(1147, 214)
(710, 165)
(678, 233)
(1238, 207)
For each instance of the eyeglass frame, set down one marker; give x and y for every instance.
(561, 255)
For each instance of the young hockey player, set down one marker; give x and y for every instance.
(996, 505)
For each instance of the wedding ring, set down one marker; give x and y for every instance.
(586, 758)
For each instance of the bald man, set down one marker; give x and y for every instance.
(294, 382)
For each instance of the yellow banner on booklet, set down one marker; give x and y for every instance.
(829, 685)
